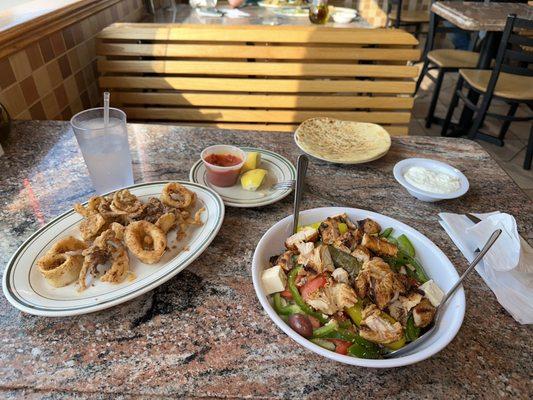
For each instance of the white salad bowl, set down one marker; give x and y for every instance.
(434, 261)
(401, 167)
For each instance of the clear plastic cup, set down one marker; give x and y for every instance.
(219, 175)
(105, 149)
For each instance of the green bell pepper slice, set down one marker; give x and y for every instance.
(355, 313)
(386, 233)
(325, 330)
(324, 343)
(287, 309)
(341, 259)
(405, 245)
(412, 332)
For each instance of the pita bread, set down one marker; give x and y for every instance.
(343, 142)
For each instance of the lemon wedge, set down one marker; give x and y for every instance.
(251, 180)
(253, 159)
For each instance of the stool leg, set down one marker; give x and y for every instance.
(529, 151)
(434, 98)
(505, 125)
(451, 108)
(422, 74)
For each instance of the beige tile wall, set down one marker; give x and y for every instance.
(55, 77)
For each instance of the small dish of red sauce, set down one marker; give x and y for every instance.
(223, 164)
(223, 160)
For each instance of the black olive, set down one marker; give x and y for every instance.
(301, 324)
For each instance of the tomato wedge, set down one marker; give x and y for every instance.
(286, 294)
(312, 286)
(341, 346)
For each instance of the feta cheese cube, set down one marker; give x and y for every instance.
(274, 280)
(432, 292)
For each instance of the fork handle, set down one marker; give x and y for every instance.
(301, 170)
(476, 260)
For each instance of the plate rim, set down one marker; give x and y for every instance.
(43, 311)
(282, 195)
(377, 157)
(409, 359)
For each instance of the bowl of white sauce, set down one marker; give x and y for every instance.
(430, 180)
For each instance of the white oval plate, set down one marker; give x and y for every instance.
(401, 167)
(278, 167)
(435, 263)
(26, 289)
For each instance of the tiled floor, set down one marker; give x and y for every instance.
(510, 157)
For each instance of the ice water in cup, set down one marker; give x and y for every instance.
(105, 149)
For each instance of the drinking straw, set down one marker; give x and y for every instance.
(106, 109)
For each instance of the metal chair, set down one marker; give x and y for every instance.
(444, 60)
(401, 17)
(511, 80)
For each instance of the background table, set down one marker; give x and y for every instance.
(204, 333)
(484, 17)
(258, 16)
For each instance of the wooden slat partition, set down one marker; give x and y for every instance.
(258, 77)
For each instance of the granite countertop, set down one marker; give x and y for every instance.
(480, 16)
(204, 333)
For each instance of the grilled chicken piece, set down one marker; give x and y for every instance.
(399, 309)
(341, 275)
(319, 260)
(346, 220)
(423, 313)
(305, 248)
(377, 329)
(378, 277)
(332, 298)
(307, 234)
(285, 260)
(329, 230)
(361, 253)
(348, 240)
(369, 226)
(379, 246)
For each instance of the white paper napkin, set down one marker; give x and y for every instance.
(507, 268)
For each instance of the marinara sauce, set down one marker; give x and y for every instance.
(223, 160)
(219, 168)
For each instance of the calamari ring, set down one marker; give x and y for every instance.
(176, 195)
(60, 269)
(134, 240)
(166, 222)
(126, 203)
(69, 245)
(92, 226)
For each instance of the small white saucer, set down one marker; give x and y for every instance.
(279, 169)
(401, 167)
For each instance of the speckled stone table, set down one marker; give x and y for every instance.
(203, 333)
(480, 16)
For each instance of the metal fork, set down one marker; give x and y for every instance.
(284, 185)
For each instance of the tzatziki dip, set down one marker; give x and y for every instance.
(432, 180)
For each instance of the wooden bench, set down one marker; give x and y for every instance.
(258, 77)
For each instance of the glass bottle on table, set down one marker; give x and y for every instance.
(319, 12)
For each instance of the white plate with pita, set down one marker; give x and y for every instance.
(342, 142)
(27, 290)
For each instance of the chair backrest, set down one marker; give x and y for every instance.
(259, 77)
(515, 53)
